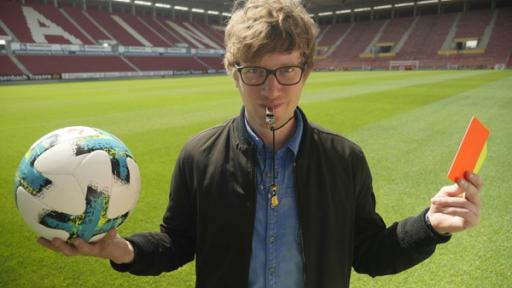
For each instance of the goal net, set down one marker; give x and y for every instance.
(403, 65)
(500, 66)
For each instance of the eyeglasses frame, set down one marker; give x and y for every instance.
(271, 72)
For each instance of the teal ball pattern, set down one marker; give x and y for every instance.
(93, 220)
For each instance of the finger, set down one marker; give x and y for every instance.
(451, 190)
(438, 203)
(445, 202)
(43, 241)
(449, 201)
(46, 243)
(471, 191)
(475, 179)
(111, 234)
(470, 218)
(84, 248)
(64, 248)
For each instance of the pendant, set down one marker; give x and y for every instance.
(274, 201)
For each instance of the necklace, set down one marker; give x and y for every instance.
(270, 121)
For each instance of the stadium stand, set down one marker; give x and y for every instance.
(500, 43)
(356, 42)
(473, 23)
(41, 64)
(153, 39)
(162, 63)
(395, 29)
(115, 26)
(214, 34)
(329, 38)
(321, 32)
(427, 39)
(8, 67)
(58, 21)
(194, 37)
(86, 24)
(13, 18)
(331, 33)
(215, 63)
(158, 25)
(432, 42)
(45, 39)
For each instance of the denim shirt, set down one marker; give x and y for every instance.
(276, 259)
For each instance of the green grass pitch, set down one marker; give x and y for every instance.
(408, 123)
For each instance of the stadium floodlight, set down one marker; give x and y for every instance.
(2, 42)
(404, 4)
(382, 7)
(362, 9)
(182, 8)
(325, 13)
(161, 5)
(124, 1)
(226, 14)
(427, 2)
(212, 12)
(346, 11)
(197, 10)
(143, 3)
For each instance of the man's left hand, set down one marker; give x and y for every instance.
(456, 207)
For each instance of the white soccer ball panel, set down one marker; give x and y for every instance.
(64, 195)
(123, 197)
(68, 133)
(30, 209)
(59, 159)
(95, 170)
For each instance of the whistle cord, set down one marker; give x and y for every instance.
(273, 188)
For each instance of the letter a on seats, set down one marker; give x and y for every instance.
(38, 31)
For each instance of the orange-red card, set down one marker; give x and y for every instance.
(472, 151)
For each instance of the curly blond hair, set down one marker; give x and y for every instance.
(259, 27)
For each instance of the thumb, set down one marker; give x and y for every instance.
(111, 234)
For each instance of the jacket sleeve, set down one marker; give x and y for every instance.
(381, 250)
(174, 245)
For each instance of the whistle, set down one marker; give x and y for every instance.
(269, 117)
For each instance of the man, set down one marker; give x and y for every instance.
(268, 199)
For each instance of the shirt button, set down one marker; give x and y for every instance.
(271, 270)
(271, 239)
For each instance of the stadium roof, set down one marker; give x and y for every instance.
(313, 6)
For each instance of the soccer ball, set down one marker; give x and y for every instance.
(76, 182)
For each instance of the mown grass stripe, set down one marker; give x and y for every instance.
(346, 114)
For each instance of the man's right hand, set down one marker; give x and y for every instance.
(111, 246)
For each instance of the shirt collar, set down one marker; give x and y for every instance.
(293, 143)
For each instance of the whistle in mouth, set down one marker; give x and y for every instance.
(269, 117)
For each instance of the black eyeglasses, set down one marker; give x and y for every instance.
(256, 76)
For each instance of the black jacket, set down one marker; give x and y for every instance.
(212, 206)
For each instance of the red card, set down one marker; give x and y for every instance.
(472, 151)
